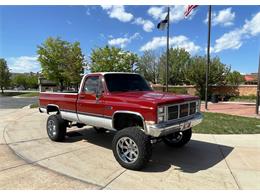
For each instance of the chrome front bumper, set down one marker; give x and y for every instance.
(169, 127)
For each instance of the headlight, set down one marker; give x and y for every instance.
(160, 110)
(161, 115)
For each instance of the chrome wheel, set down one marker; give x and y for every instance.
(175, 137)
(52, 128)
(127, 150)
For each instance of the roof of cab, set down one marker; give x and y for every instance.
(104, 73)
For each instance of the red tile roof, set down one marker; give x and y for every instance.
(250, 78)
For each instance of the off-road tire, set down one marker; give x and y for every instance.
(142, 142)
(100, 129)
(60, 128)
(186, 136)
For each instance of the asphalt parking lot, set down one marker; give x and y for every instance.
(14, 102)
(29, 160)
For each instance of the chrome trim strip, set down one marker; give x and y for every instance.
(93, 114)
(66, 110)
(187, 102)
(96, 121)
(46, 92)
(82, 83)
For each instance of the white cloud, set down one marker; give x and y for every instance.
(24, 64)
(224, 17)
(123, 41)
(231, 40)
(176, 12)
(87, 12)
(252, 26)
(147, 24)
(118, 12)
(234, 39)
(177, 41)
(157, 12)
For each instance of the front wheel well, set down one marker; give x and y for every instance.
(124, 120)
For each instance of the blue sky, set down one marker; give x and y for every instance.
(235, 31)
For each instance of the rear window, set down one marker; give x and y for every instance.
(126, 82)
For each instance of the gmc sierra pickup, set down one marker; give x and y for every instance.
(125, 104)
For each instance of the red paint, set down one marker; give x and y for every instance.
(143, 102)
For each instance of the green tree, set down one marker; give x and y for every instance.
(75, 63)
(111, 59)
(61, 61)
(148, 66)
(4, 75)
(178, 62)
(196, 73)
(32, 81)
(235, 78)
(20, 80)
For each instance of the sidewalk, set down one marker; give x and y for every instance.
(16, 173)
(85, 160)
(240, 109)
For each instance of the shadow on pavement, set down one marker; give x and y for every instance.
(195, 156)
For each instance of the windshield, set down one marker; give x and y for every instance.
(126, 82)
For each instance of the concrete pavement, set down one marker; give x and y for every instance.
(233, 108)
(16, 173)
(29, 160)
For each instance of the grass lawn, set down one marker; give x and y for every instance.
(8, 94)
(35, 105)
(29, 94)
(251, 98)
(20, 94)
(216, 123)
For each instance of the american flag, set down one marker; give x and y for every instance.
(189, 9)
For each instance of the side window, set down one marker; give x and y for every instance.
(91, 84)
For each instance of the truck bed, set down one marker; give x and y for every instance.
(64, 101)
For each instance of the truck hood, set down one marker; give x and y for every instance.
(153, 97)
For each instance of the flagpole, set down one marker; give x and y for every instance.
(167, 60)
(208, 58)
(258, 88)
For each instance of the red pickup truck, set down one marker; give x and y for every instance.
(125, 104)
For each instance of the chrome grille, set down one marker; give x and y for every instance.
(192, 108)
(173, 112)
(181, 110)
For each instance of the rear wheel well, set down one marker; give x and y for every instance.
(124, 120)
(53, 108)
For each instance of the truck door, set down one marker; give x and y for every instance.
(90, 108)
